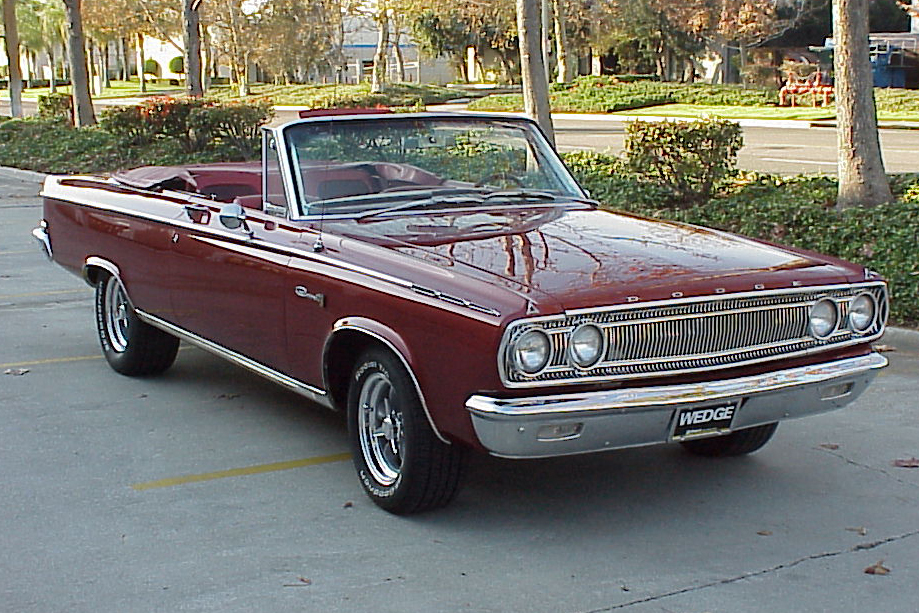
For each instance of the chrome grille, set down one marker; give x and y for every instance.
(685, 335)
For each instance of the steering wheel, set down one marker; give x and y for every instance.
(504, 176)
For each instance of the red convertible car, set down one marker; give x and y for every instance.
(445, 282)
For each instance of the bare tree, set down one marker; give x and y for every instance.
(11, 40)
(535, 85)
(192, 48)
(83, 114)
(862, 181)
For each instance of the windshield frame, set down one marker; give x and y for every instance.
(534, 136)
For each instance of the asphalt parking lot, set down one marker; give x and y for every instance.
(209, 489)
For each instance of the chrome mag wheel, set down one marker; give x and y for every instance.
(381, 428)
(116, 309)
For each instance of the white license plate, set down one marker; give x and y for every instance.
(704, 421)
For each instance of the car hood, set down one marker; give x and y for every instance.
(580, 256)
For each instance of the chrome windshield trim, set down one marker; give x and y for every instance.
(315, 394)
(636, 399)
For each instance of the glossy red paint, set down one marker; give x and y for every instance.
(257, 295)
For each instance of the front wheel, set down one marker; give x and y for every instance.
(130, 346)
(736, 443)
(402, 465)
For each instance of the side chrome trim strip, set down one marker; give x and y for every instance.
(313, 393)
(340, 325)
(637, 399)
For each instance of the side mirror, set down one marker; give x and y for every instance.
(233, 217)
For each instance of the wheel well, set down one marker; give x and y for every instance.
(343, 350)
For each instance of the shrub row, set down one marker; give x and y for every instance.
(611, 94)
(345, 96)
(195, 124)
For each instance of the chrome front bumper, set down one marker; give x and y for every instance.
(563, 424)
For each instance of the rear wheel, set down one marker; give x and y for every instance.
(736, 443)
(130, 346)
(402, 465)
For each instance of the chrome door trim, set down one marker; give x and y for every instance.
(315, 394)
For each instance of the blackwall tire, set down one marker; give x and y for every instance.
(130, 346)
(402, 464)
(736, 443)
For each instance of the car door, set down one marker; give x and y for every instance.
(227, 284)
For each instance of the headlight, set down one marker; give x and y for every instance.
(862, 311)
(531, 351)
(585, 345)
(823, 318)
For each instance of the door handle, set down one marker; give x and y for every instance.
(302, 292)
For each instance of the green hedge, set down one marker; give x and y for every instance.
(611, 94)
(789, 210)
(344, 96)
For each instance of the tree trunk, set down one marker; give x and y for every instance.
(83, 114)
(565, 73)
(11, 40)
(596, 62)
(379, 58)
(52, 60)
(862, 181)
(106, 79)
(192, 50)
(535, 86)
(400, 61)
(141, 60)
(123, 73)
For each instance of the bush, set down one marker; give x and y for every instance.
(177, 65)
(236, 126)
(685, 159)
(194, 124)
(56, 107)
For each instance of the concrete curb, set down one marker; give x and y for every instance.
(23, 175)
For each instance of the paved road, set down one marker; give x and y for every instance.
(99, 514)
(781, 150)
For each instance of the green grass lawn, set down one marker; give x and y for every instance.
(119, 89)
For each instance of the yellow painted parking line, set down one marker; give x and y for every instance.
(240, 472)
(76, 358)
(51, 293)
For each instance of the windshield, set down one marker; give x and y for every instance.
(368, 166)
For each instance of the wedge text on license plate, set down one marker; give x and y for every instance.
(705, 421)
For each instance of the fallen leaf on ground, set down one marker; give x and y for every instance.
(910, 463)
(830, 446)
(884, 348)
(877, 568)
(765, 533)
(861, 530)
(348, 505)
(16, 372)
(306, 581)
(228, 396)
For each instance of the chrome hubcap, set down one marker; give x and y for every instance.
(116, 315)
(380, 427)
